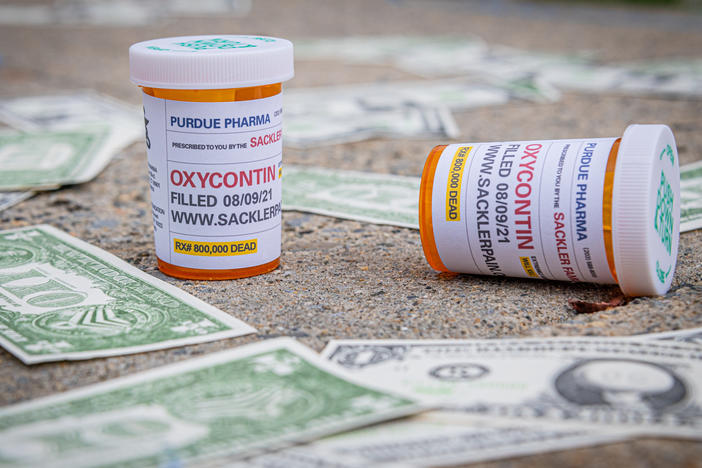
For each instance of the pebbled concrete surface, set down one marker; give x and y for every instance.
(344, 279)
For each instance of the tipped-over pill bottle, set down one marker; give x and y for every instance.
(213, 117)
(602, 210)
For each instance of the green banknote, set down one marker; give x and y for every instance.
(46, 158)
(61, 298)
(69, 138)
(361, 196)
(234, 403)
(445, 56)
(691, 196)
(394, 200)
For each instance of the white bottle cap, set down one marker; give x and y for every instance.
(211, 62)
(646, 210)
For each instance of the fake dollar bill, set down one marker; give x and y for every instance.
(67, 139)
(638, 387)
(381, 50)
(319, 116)
(42, 160)
(436, 438)
(234, 402)
(691, 196)
(61, 298)
(454, 56)
(430, 439)
(8, 199)
(416, 109)
(567, 72)
(361, 196)
(394, 200)
(666, 79)
(69, 110)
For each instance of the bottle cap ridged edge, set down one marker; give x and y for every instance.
(268, 63)
(638, 248)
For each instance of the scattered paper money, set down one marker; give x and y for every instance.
(439, 439)
(67, 139)
(431, 439)
(638, 387)
(361, 196)
(342, 115)
(61, 298)
(566, 72)
(69, 110)
(8, 199)
(418, 109)
(457, 56)
(634, 78)
(255, 397)
(381, 50)
(433, 56)
(394, 200)
(73, 110)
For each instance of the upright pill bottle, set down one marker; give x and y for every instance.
(602, 210)
(213, 118)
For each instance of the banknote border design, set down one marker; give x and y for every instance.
(238, 327)
(234, 354)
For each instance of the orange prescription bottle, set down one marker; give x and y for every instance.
(213, 118)
(603, 210)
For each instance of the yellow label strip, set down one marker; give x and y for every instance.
(528, 267)
(215, 249)
(453, 184)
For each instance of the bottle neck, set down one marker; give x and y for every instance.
(607, 206)
(215, 95)
(426, 226)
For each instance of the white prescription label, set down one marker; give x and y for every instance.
(529, 209)
(215, 175)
